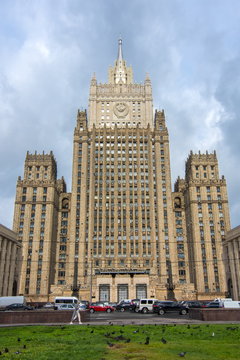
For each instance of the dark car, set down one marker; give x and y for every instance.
(161, 307)
(113, 304)
(213, 305)
(129, 305)
(192, 304)
(18, 307)
(134, 306)
(123, 305)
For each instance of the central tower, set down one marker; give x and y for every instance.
(120, 102)
(121, 202)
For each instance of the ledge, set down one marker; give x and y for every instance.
(215, 314)
(40, 316)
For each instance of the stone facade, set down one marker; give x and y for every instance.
(207, 220)
(122, 232)
(231, 248)
(35, 221)
(10, 262)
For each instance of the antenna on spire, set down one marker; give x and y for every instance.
(120, 57)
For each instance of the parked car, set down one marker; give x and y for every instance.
(17, 306)
(48, 305)
(161, 307)
(83, 307)
(125, 305)
(85, 302)
(100, 306)
(66, 307)
(192, 304)
(145, 305)
(213, 305)
(134, 306)
(113, 304)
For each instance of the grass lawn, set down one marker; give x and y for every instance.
(132, 342)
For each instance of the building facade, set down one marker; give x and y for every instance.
(10, 262)
(231, 248)
(122, 232)
(36, 221)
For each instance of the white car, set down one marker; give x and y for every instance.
(48, 306)
(145, 305)
(66, 307)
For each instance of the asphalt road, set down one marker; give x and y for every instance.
(136, 318)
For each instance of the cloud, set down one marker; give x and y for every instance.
(49, 50)
(228, 94)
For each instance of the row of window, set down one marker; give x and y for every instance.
(208, 189)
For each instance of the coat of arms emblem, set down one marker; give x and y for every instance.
(121, 110)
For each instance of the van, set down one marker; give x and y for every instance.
(231, 304)
(228, 303)
(146, 305)
(60, 300)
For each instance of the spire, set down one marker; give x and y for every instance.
(120, 65)
(120, 57)
(120, 73)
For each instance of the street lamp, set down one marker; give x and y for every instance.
(90, 296)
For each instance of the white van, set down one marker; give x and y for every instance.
(229, 304)
(146, 305)
(60, 300)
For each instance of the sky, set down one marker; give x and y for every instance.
(49, 50)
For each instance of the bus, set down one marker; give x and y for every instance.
(60, 300)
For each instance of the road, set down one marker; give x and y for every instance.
(127, 317)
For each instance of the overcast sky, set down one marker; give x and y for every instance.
(49, 50)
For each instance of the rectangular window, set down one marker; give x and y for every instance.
(104, 292)
(141, 291)
(122, 292)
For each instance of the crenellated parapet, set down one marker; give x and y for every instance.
(40, 166)
(202, 166)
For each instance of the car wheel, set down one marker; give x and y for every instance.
(91, 311)
(183, 312)
(161, 312)
(136, 310)
(122, 309)
(145, 310)
(108, 310)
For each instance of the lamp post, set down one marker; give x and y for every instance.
(90, 296)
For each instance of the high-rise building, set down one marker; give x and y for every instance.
(122, 232)
(35, 220)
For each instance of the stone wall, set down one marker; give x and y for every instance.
(215, 314)
(40, 317)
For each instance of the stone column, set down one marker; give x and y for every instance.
(7, 269)
(232, 270)
(236, 249)
(12, 268)
(3, 245)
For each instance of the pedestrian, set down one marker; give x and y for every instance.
(76, 315)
